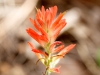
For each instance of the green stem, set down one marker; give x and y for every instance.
(47, 72)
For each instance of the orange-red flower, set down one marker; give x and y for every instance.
(48, 28)
(47, 25)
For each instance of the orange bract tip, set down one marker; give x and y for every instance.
(56, 69)
(31, 45)
(66, 49)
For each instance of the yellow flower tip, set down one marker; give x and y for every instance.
(36, 8)
(64, 12)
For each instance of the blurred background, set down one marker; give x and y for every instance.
(83, 29)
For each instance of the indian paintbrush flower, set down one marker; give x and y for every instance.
(48, 30)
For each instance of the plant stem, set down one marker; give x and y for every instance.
(47, 72)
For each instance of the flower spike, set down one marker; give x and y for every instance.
(48, 27)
